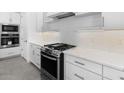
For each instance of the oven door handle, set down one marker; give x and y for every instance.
(48, 57)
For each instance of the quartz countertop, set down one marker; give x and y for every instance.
(114, 60)
(42, 43)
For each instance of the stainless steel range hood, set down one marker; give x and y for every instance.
(62, 15)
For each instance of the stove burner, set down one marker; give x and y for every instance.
(59, 46)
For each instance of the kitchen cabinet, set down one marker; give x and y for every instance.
(106, 79)
(112, 73)
(15, 18)
(4, 17)
(35, 55)
(39, 21)
(76, 73)
(9, 18)
(8, 52)
(83, 69)
(96, 68)
(46, 17)
(76, 68)
(113, 20)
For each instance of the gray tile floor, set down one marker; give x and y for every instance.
(18, 69)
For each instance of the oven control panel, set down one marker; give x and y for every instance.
(52, 52)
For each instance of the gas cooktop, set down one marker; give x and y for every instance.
(59, 46)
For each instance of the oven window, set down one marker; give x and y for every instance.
(5, 41)
(48, 64)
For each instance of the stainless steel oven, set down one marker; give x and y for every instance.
(9, 40)
(52, 60)
(9, 28)
(52, 65)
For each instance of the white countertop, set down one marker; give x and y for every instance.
(41, 43)
(110, 59)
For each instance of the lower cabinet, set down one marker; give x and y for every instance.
(106, 79)
(76, 73)
(112, 73)
(35, 55)
(8, 52)
(82, 69)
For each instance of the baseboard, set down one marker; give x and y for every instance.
(5, 58)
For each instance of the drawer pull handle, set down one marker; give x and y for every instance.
(79, 63)
(82, 78)
(122, 78)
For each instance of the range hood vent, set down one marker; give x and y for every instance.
(63, 15)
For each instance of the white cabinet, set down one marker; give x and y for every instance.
(4, 17)
(79, 69)
(39, 21)
(8, 52)
(9, 18)
(96, 68)
(31, 53)
(34, 22)
(46, 17)
(76, 73)
(113, 73)
(113, 20)
(35, 55)
(15, 18)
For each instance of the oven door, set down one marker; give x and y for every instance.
(10, 28)
(49, 64)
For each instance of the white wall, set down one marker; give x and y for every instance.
(68, 26)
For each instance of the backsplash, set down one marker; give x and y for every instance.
(44, 37)
(111, 41)
(51, 36)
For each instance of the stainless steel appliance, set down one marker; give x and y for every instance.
(9, 40)
(9, 35)
(52, 60)
(7, 28)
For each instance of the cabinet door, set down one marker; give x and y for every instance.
(31, 53)
(46, 17)
(76, 73)
(8, 52)
(15, 18)
(4, 17)
(113, 20)
(113, 73)
(37, 56)
(39, 21)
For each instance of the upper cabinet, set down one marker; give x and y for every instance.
(113, 20)
(46, 16)
(39, 21)
(15, 18)
(4, 17)
(9, 18)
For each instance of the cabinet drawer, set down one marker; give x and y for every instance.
(84, 64)
(112, 73)
(106, 79)
(76, 73)
(7, 52)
